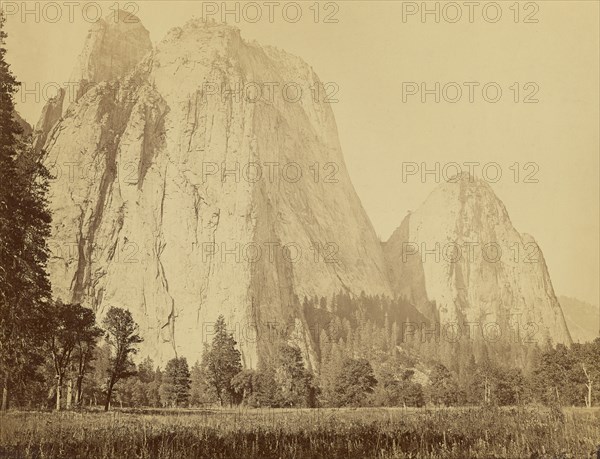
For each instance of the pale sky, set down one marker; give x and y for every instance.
(370, 52)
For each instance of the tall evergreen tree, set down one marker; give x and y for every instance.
(24, 229)
(153, 390)
(222, 362)
(201, 391)
(146, 371)
(295, 384)
(176, 382)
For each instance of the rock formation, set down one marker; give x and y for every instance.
(199, 178)
(459, 259)
(204, 176)
(113, 47)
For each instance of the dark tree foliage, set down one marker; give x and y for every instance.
(141, 390)
(87, 336)
(492, 384)
(122, 335)
(72, 337)
(24, 229)
(153, 392)
(398, 389)
(177, 382)
(202, 392)
(444, 389)
(353, 383)
(283, 381)
(588, 363)
(568, 376)
(323, 315)
(245, 386)
(295, 385)
(146, 372)
(256, 388)
(222, 362)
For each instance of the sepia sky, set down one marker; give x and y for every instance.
(371, 51)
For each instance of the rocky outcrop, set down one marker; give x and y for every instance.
(113, 47)
(50, 116)
(181, 200)
(459, 259)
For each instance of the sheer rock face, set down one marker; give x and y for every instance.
(51, 114)
(460, 260)
(145, 218)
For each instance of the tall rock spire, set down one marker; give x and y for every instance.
(113, 47)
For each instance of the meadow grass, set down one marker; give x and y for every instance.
(459, 433)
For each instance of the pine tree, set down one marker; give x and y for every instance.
(176, 382)
(146, 372)
(222, 362)
(139, 393)
(394, 340)
(295, 385)
(24, 229)
(153, 389)
(201, 392)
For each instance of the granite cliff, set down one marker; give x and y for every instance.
(200, 177)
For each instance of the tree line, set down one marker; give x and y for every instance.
(104, 373)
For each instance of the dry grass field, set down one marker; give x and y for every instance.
(303, 434)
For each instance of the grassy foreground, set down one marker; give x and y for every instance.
(303, 434)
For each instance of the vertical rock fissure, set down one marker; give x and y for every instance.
(81, 259)
(116, 115)
(153, 140)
